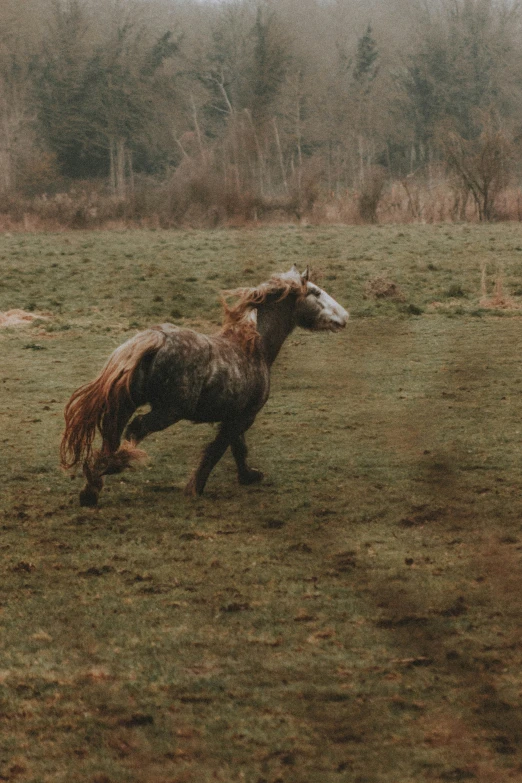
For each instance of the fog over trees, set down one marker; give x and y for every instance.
(204, 110)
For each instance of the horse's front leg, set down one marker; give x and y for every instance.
(210, 457)
(245, 474)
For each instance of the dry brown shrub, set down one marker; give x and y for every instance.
(199, 195)
(371, 194)
(381, 287)
(480, 167)
(509, 205)
(499, 299)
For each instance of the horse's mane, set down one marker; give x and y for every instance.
(240, 318)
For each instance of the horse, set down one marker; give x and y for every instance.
(181, 374)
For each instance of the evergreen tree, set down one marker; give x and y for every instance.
(270, 62)
(223, 68)
(120, 97)
(60, 87)
(459, 68)
(366, 67)
(99, 104)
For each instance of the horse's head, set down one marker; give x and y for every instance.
(316, 310)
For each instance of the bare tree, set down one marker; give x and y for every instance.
(17, 139)
(481, 166)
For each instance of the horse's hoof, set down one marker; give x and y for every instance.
(251, 477)
(88, 497)
(190, 490)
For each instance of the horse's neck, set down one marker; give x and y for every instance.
(275, 322)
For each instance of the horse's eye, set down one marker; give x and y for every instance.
(315, 292)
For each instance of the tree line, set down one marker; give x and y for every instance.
(253, 107)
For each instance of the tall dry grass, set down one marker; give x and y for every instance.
(195, 195)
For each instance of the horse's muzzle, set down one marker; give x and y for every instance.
(338, 323)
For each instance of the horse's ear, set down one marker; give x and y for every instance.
(305, 277)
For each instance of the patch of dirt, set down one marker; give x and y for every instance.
(381, 287)
(19, 318)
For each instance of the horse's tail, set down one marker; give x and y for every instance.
(100, 404)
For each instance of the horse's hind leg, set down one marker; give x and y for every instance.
(155, 420)
(113, 456)
(245, 474)
(110, 458)
(93, 487)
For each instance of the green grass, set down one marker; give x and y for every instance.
(356, 617)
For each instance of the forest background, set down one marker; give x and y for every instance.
(179, 112)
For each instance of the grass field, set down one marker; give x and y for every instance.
(354, 618)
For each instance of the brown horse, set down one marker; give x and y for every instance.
(182, 374)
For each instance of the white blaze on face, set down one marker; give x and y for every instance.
(332, 316)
